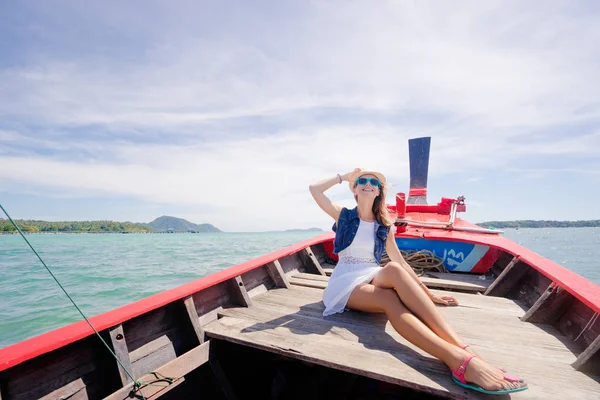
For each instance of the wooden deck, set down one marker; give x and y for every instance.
(290, 322)
(439, 280)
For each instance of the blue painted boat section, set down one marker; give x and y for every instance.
(457, 256)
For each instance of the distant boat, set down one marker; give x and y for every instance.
(255, 330)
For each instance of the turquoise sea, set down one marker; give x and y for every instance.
(105, 271)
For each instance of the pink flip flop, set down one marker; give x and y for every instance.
(458, 376)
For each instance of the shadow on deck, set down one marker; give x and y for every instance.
(290, 322)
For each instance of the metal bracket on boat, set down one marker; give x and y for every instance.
(460, 200)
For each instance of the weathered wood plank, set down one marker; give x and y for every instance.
(313, 277)
(527, 288)
(550, 306)
(310, 261)
(463, 282)
(467, 310)
(491, 305)
(176, 369)
(366, 344)
(589, 360)
(466, 284)
(374, 331)
(212, 298)
(292, 262)
(334, 353)
(275, 271)
(73, 390)
(190, 307)
(257, 281)
(77, 370)
(308, 283)
(492, 319)
(320, 252)
(501, 285)
(160, 322)
(209, 316)
(580, 324)
(387, 359)
(159, 336)
(119, 344)
(239, 291)
(152, 355)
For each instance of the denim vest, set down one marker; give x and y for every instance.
(347, 226)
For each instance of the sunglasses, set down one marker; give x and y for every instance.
(373, 181)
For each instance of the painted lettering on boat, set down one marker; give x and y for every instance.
(453, 259)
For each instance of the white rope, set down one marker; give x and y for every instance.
(590, 324)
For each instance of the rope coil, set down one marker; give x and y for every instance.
(420, 261)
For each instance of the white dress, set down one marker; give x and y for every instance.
(356, 265)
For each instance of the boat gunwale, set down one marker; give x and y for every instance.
(28, 349)
(580, 287)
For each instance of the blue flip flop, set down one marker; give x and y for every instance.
(458, 376)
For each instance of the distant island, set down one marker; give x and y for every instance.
(161, 224)
(172, 224)
(305, 230)
(540, 224)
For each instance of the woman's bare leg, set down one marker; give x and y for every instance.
(393, 276)
(370, 298)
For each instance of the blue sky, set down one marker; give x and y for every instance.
(224, 112)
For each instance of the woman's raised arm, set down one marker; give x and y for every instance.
(318, 193)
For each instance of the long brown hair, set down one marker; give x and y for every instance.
(379, 207)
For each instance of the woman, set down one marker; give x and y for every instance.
(359, 283)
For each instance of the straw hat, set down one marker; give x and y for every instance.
(362, 172)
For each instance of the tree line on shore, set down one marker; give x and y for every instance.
(540, 224)
(33, 226)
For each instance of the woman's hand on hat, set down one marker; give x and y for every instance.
(347, 176)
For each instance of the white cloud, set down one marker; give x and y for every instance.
(416, 56)
(250, 180)
(480, 76)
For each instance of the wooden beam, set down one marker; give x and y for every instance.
(175, 369)
(190, 307)
(240, 292)
(308, 283)
(500, 285)
(309, 260)
(589, 360)
(276, 273)
(119, 344)
(550, 306)
(70, 391)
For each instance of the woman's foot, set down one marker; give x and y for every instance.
(476, 371)
(468, 349)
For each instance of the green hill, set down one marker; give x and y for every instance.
(166, 224)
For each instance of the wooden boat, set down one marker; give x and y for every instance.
(256, 330)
